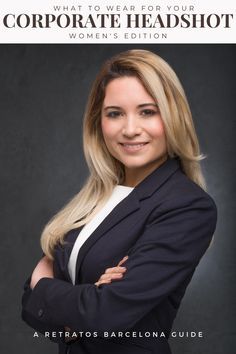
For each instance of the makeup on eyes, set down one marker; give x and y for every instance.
(115, 111)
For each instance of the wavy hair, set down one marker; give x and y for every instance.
(163, 85)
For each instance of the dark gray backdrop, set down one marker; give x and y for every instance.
(42, 98)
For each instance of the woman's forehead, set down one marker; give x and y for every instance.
(126, 90)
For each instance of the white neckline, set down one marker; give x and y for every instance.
(122, 186)
(119, 193)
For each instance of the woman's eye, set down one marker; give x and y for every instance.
(113, 114)
(148, 112)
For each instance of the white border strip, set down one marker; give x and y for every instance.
(109, 21)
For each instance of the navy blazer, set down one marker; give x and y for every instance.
(165, 226)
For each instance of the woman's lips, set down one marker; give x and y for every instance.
(133, 147)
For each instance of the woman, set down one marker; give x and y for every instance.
(144, 200)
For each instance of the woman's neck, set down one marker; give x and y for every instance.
(134, 176)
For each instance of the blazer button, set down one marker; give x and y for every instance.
(40, 312)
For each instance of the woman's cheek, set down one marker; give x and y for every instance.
(109, 130)
(156, 128)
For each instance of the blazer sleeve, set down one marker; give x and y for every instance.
(33, 321)
(166, 253)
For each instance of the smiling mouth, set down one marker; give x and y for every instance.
(133, 146)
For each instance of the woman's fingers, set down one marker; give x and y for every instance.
(118, 268)
(112, 276)
(102, 282)
(115, 270)
(123, 260)
(107, 278)
(114, 273)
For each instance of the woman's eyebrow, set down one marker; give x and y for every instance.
(147, 104)
(111, 107)
(139, 106)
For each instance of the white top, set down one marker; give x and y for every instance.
(118, 194)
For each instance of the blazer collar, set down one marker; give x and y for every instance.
(159, 176)
(128, 205)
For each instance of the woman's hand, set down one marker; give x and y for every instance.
(115, 273)
(109, 275)
(44, 269)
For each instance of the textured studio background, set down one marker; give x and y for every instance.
(43, 91)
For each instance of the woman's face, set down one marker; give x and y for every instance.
(132, 127)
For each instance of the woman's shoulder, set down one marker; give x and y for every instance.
(181, 203)
(180, 186)
(181, 193)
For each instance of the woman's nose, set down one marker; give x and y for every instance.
(131, 126)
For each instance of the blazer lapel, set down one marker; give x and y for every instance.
(127, 206)
(122, 210)
(62, 253)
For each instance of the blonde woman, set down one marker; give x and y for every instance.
(119, 256)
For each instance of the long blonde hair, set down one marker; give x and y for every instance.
(163, 85)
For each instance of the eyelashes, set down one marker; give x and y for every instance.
(143, 113)
(113, 114)
(149, 112)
